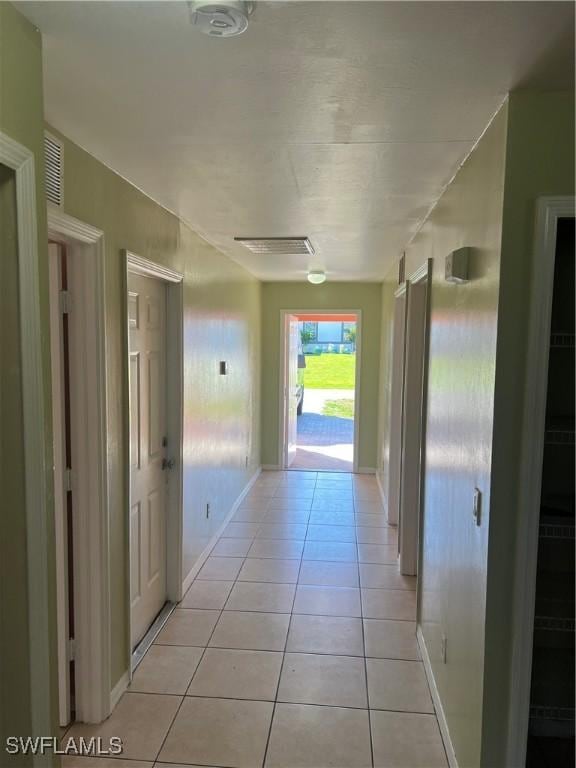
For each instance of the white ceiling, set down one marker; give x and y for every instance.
(342, 121)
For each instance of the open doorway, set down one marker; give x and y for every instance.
(320, 386)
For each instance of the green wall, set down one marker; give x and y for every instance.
(539, 162)
(338, 296)
(478, 337)
(459, 428)
(221, 322)
(21, 118)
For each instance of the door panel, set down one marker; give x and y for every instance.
(135, 410)
(147, 330)
(135, 558)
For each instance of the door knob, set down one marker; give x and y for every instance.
(168, 463)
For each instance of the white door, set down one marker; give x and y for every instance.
(292, 335)
(147, 340)
(60, 490)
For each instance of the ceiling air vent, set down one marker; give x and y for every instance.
(277, 246)
(54, 160)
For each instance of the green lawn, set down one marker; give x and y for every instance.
(329, 371)
(342, 408)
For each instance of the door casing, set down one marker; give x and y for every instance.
(396, 406)
(88, 418)
(282, 437)
(174, 421)
(412, 473)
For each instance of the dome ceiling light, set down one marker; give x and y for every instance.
(316, 277)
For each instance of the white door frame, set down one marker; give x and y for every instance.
(396, 406)
(87, 351)
(414, 420)
(548, 211)
(35, 436)
(60, 485)
(281, 385)
(174, 419)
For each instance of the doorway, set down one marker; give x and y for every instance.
(408, 415)
(319, 385)
(78, 373)
(154, 431)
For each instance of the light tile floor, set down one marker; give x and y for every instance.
(294, 647)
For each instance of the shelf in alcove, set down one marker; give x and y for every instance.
(562, 341)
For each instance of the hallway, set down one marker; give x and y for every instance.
(294, 647)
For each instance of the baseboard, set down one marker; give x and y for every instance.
(365, 471)
(118, 690)
(443, 725)
(383, 496)
(212, 543)
(271, 467)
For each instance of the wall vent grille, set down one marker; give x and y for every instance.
(277, 246)
(54, 160)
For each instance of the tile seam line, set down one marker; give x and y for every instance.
(267, 746)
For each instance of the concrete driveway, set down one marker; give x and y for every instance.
(324, 442)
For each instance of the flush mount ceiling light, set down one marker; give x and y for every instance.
(316, 277)
(228, 18)
(277, 246)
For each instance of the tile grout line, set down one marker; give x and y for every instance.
(283, 660)
(365, 662)
(192, 678)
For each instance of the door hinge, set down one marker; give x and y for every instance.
(71, 649)
(64, 302)
(67, 479)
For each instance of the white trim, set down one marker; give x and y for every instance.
(396, 406)
(357, 379)
(61, 224)
(214, 540)
(119, 689)
(35, 436)
(174, 280)
(436, 700)
(382, 494)
(414, 421)
(420, 274)
(401, 290)
(90, 471)
(548, 211)
(141, 266)
(60, 476)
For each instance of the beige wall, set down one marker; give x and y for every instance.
(459, 424)
(385, 386)
(339, 296)
(474, 408)
(539, 162)
(221, 322)
(21, 118)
